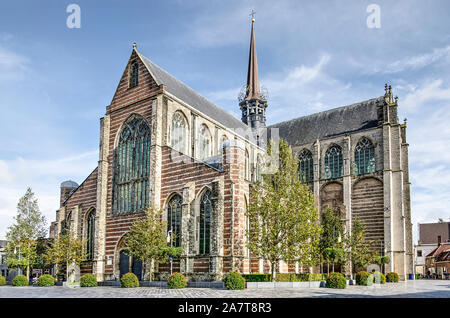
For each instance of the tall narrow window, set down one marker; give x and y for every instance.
(205, 222)
(178, 136)
(306, 166)
(223, 139)
(364, 157)
(334, 163)
(90, 237)
(204, 140)
(247, 166)
(134, 74)
(174, 219)
(258, 168)
(132, 168)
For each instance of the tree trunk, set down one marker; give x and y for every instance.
(273, 264)
(333, 266)
(328, 268)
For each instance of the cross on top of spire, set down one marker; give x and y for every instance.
(252, 14)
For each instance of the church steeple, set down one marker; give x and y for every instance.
(252, 103)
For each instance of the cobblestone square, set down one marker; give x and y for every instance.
(409, 289)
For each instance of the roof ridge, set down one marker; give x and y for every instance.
(329, 110)
(190, 88)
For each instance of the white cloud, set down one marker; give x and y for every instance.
(44, 177)
(13, 66)
(425, 95)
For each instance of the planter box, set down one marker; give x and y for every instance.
(300, 284)
(275, 285)
(71, 285)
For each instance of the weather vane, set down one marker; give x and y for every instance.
(252, 14)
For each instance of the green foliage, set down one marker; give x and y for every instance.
(332, 229)
(22, 236)
(129, 280)
(88, 280)
(285, 277)
(146, 239)
(173, 251)
(66, 248)
(336, 280)
(46, 280)
(360, 251)
(2, 281)
(234, 281)
(382, 260)
(20, 280)
(283, 223)
(176, 281)
(364, 278)
(258, 277)
(379, 278)
(392, 277)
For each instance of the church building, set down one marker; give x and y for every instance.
(164, 145)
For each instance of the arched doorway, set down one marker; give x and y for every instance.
(127, 265)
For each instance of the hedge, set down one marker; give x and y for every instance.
(285, 277)
(176, 281)
(234, 281)
(336, 280)
(129, 280)
(392, 277)
(20, 280)
(364, 278)
(88, 280)
(46, 281)
(2, 281)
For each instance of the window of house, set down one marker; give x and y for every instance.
(419, 253)
(132, 167)
(205, 223)
(334, 163)
(178, 134)
(174, 219)
(364, 157)
(306, 166)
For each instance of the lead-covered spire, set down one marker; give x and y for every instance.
(253, 90)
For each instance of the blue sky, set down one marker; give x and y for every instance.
(55, 82)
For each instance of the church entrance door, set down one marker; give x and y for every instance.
(137, 268)
(124, 263)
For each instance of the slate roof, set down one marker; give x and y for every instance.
(177, 88)
(333, 122)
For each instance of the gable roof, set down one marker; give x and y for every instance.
(444, 247)
(330, 123)
(177, 88)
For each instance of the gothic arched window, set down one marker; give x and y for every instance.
(247, 166)
(364, 157)
(333, 163)
(178, 134)
(306, 166)
(258, 168)
(134, 74)
(90, 235)
(132, 169)
(174, 219)
(204, 140)
(224, 138)
(205, 222)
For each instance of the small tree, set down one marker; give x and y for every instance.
(332, 232)
(66, 249)
(282, 218)
(382, 261)
(22, 236)
(146, 240)
(360, 251)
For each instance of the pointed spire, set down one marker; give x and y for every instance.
(253, 90)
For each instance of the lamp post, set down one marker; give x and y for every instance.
(169, 240)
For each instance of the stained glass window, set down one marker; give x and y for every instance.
(204, 140)
(174, 219)
(134, 74)
(90, 231)
(205, 222)
(364, 157)
(178, 134)
(132, 172)
(306, 166)
(334, 163)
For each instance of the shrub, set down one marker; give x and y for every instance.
(364, 278)
(257, 277)
(392, 277)
(176, 280)
(88, 280)
(46, 280)
(20, 280)
(336, 280)
(379, 278)
(2, 281)
(234, 281)
(129, 280)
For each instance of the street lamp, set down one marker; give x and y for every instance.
(169, 240)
